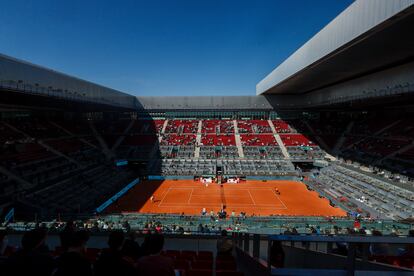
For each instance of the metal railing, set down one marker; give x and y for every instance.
(257, 225)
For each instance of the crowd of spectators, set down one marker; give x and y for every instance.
(123, 255)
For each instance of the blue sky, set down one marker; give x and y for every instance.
(156, 48)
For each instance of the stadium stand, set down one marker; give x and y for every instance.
(335, 120)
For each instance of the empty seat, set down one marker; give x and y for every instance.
(200, 272)
(172, 253)
(181, 264)
(225, 258)
(92, 254)
(226, 265)
(188, 253)
(202, 265)
(229, 273)
(205, 255)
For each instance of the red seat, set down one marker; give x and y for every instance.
(92, 254)
(200, 272)
(188, 253)
(407, 262)
(202, 265)
(205, 255)
(187, 257)
(229, 273)
(226, 265)
(181, 264)
(173, 254)
(10, 250)
(225, 258)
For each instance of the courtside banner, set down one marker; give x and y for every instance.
(9, 215)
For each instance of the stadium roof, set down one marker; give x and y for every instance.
(41, 81)
(348, 47)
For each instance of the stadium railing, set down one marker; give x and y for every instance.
(257, 225)
(316, 255)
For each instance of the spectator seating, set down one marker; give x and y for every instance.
(377, 195)
(258, 140)
(178, 139)
(39, 128)
(253, 126)
(296, 140)
(182, 126)
(217, 126)
(281, 126)
(218, 140)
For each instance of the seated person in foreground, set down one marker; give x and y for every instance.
(74, 261)
(33, 258)
(153, 263)
(111, 261)
(224, 244)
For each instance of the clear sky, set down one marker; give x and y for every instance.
(169, 47)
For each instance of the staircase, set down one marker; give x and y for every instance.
(279, 140)
(164, 126)
(238, 140)
(198, 140)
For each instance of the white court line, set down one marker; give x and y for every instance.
(278, 198)
(254, 203)
(262, 206)
(227, 188)
(159, 204)
(164, 192)
(268, 207)
(220, 196)
(189, 198)
(244, 204)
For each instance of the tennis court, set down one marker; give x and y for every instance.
(253, 197)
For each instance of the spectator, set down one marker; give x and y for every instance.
(154, 263)
(277, 254)
(33, 258)
(200, 228)
(131, 251)
(379, 249)
(409, 250)
(224, 244)
(67, 234)
(3, 242)
(111, 261)
(73, 261)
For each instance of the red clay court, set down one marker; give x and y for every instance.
(252, 197)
